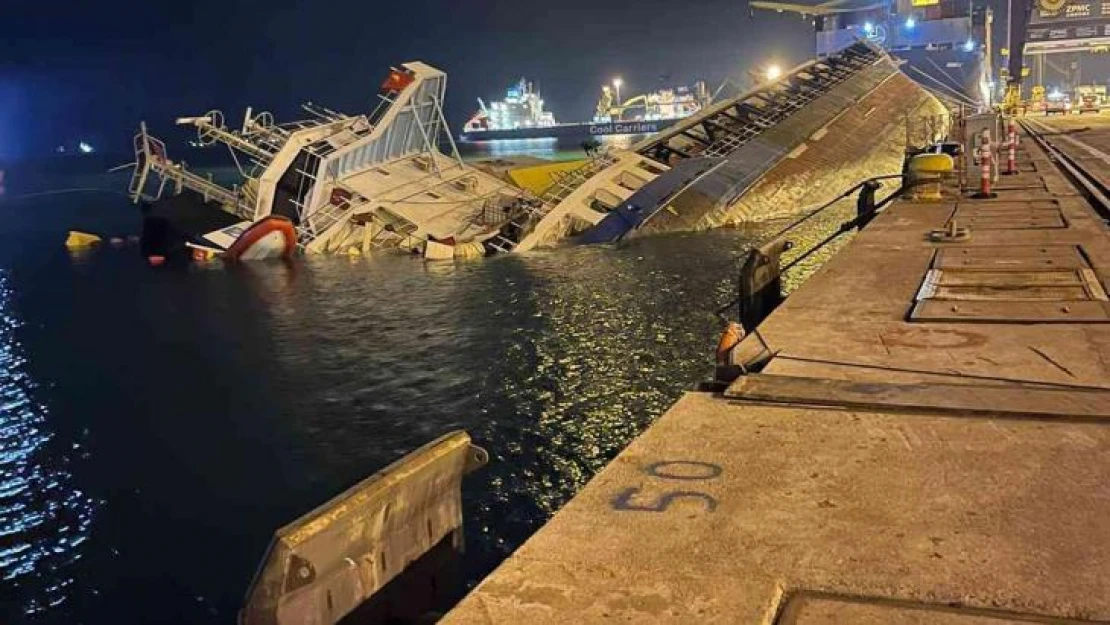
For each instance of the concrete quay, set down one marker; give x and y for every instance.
(930, 443)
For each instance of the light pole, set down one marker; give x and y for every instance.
(620, 105)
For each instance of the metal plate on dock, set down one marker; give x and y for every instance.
(1027, 215)
(987, 206)
(1011, 284)
(1010, 257)
(825, 609)
(1014, 286)
(1015, 400)
(1012, 312)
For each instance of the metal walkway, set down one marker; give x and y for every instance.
(725, 127)
(530, 213)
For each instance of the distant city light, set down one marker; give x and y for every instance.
(910, 23)
(773, 72)
(617, 82)
(85, 148)
(969, 46)
(868, 27)
(1056, 94)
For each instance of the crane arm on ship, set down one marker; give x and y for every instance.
(608, 107)
(632, 102)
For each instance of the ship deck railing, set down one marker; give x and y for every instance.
(151, 158)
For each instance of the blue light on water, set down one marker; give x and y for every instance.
(910, 23)
(868, 27)
(969, 46)
(44, 519)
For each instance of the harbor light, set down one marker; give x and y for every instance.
(774, 72)
(617, 82)
(969, 46)
(868, 28)
(910, 23)
(85, 148)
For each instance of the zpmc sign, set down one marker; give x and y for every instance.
(1068, 25)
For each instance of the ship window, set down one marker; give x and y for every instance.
(605, 201)
(434, 196)
(630, 181)
(648, 167)
(379, 170)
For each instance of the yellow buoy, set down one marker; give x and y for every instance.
(81, 240)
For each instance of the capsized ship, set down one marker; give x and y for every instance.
(331, 183)
(521, 115)
(802, 138)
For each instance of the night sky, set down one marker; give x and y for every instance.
(91, 70)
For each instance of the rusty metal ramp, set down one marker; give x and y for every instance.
(1012, 284)
(1013, 400)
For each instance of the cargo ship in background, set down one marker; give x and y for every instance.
(521, 115)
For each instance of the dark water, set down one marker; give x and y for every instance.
(156, 426)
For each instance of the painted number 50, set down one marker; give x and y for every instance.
(679, 470)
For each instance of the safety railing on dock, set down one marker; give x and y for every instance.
(759, 288)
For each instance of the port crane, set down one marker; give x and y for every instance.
(1018, 22)
(1020, 10)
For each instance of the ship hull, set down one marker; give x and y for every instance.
(590, 129)
(951, 74)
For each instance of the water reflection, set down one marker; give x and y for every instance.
(43, 519)
(226, 401)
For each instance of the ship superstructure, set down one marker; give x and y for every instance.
(523, 107)
(345, 182)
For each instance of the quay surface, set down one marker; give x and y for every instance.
(929, 444)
